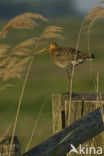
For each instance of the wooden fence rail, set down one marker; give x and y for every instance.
(77, 133)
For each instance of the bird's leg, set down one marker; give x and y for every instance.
(68, 80)
(71, 82)
(72, 79)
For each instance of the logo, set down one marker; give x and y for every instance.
(86, 149)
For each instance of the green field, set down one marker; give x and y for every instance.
(46, 78)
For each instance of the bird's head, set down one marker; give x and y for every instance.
(50, 46)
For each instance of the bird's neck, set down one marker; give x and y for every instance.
(52, 48)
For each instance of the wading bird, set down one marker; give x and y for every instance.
(66, 57)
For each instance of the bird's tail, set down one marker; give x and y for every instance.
(91, 57)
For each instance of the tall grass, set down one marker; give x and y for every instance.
(72, 74)
(93, 15)
(35, 125)
(22, 55)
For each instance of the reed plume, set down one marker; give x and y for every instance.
(52, 32)
(14, 60)
(95, 14)
(25, 21)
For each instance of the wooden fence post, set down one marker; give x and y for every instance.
(5, 146)
(81, 104)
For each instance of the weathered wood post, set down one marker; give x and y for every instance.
(5, 144)
(81, 104)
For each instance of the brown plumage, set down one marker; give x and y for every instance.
(66, 57)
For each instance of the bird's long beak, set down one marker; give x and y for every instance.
(41, 51)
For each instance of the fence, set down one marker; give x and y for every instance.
(86, 123)
(81, 104)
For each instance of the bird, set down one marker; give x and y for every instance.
(66, 57)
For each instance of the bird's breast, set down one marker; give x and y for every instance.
(57, 59)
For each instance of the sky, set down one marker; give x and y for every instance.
(84, 5)
(48, 8)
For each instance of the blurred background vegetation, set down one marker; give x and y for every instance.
(45, 77)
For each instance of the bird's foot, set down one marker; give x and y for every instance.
(72, 94)
(67, 92)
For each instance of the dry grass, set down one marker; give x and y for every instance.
(5, 134)
(35, 125)
(72, 74)
(93, 15)
(25, 21)
(11, 66)
(52, 32)
(25, 45)
(14, 60)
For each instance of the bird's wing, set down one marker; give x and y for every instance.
(66, 53)
(63, 53)
(71, 52)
